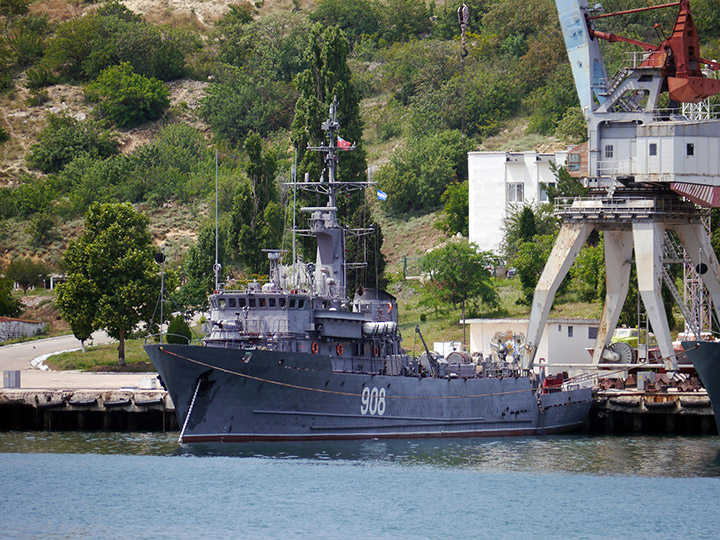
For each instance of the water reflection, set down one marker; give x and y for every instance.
(638, 456)
(607, 456)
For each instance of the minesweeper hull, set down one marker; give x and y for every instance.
(705, 356)
(242, 395)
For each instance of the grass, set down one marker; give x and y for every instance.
(445, 326)
(513, 138)
(103, 358)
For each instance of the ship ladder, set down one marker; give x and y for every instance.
(192, 404)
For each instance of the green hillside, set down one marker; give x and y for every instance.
(131, 102)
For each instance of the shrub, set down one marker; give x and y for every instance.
(40, 76)
(41, 229)
(178, 330)
(127, 98)
(30, 197)
(64, 139)
(9, 306)
(4, 135)
(37, 98)
(84, 47)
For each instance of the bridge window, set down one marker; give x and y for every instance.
(241, 302)
(653, 149)
(292, 303)
(251, 302)
(281, 302)
(592, 332)
(261, 302)
(690, 149)
(301, 303)
(271, 302)
(609, 151)
(231, 302)
(222, 303)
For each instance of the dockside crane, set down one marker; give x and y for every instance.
(647, 168)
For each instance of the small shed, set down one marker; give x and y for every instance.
(564, 341)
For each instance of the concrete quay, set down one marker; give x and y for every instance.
(622, 412)
(75, 400)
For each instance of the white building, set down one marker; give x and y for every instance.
(499, 181)
(564, 341)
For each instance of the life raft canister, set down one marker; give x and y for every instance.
(314, 347)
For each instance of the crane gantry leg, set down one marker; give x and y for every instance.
(570, 240)
(648, 237)
(618, 262)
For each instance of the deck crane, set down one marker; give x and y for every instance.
(646, 166)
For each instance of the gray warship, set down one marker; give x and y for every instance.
(705, 356)
(296, 359)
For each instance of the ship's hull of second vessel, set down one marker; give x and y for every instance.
(705, 356)
(235, 395)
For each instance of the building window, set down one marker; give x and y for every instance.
(609, 151)
(570, 331)
(516, 192)
(690, 149)
(543, 193)
(573, 162)
(653, 149)
(592, 332)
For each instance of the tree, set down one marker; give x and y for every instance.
(523, 224)
(77, 300)
(328, 79)
(26, 272)
(9, 306)
(455, 212)
(256, 220)
(198, 269)
(356, 18)
(566, 185)
(113, 262)
(530, 262)
(127, 98)
(240, 102)
(178, 330)
(419, 174)
(457, 274)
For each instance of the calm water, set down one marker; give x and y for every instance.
(146, 486)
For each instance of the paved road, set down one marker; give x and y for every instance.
(20, 355)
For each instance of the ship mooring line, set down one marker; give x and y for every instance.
(192, 404)
(335, 392)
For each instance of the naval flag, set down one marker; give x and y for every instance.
(381, 195)
(343, 144)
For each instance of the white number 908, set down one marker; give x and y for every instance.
(372, 401)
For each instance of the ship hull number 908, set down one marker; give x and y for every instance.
(372, 401)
